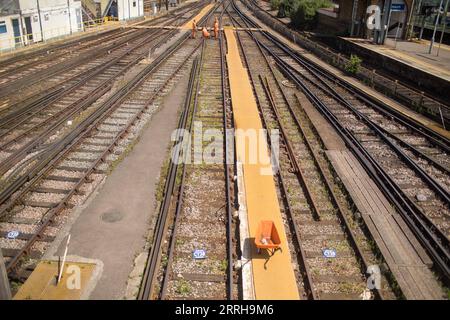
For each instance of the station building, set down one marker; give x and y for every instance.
(120, 9)
(348, 17)
(23, 22)
(405, 18)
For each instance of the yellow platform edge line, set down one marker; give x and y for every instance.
(277, 280)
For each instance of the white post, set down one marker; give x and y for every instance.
(435, 27)
(64, 260)
(354, 12)
(396, 34)
(68, 12)
(408, 27)
(40, 19)
(443, 28)
(5, 291)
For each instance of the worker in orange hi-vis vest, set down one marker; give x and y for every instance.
(216, 28)
(205, 32)
(194, 28)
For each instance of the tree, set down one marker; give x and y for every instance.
(305, 14)
(287, 7)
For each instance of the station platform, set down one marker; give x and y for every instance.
(273, 276)
(414, 54)
(78, 279)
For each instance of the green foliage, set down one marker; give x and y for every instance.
(287, 7)
(353, 64)
(303, 13)
(183, 287)
(275, 4)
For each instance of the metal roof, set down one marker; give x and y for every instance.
(9, 7)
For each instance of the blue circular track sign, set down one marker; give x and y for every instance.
(199, 254)
(12, 234)
(329, 253)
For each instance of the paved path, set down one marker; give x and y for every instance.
(114, 226)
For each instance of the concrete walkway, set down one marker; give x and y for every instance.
(114, 225)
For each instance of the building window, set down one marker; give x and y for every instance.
(3, 27)
(35, 18)
(134, 4)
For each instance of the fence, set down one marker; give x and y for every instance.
(11, 44)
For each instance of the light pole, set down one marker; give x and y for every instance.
(40, 19)
(385, 21)
(435, 27)
(70, 19)
(443, 27)
(355, 9)
(410, 29)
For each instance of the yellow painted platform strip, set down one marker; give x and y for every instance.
(278, 280)
(41, 285)
(205, 10)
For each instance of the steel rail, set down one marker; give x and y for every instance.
(41, 99)
(433, 240)
(344, 220)
(180, 192)
(195, 76)
(14, 86)
(51, 51)
(438, 188)
(56, 148)
(410, 123)
(28, 111)
(85, 128)
(424, 98)
(10, 87)
(50, 56)
(149, 276)
(227, 151)
(148, 281)
(78, 105)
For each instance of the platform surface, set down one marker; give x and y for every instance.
(403, 254)
(414, 54)
(41, 285)
(277, 281)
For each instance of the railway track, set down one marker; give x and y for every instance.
(319, 214)
(48, 167)
(68, 170)
(380, 122)
(29, 129)
(200, 217)
(51, 81)
(25, 130)
(17, 69)
(32, 59)
(431, 106)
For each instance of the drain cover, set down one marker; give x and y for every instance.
(112, 215)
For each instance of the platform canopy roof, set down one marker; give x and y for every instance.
(9, 7)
